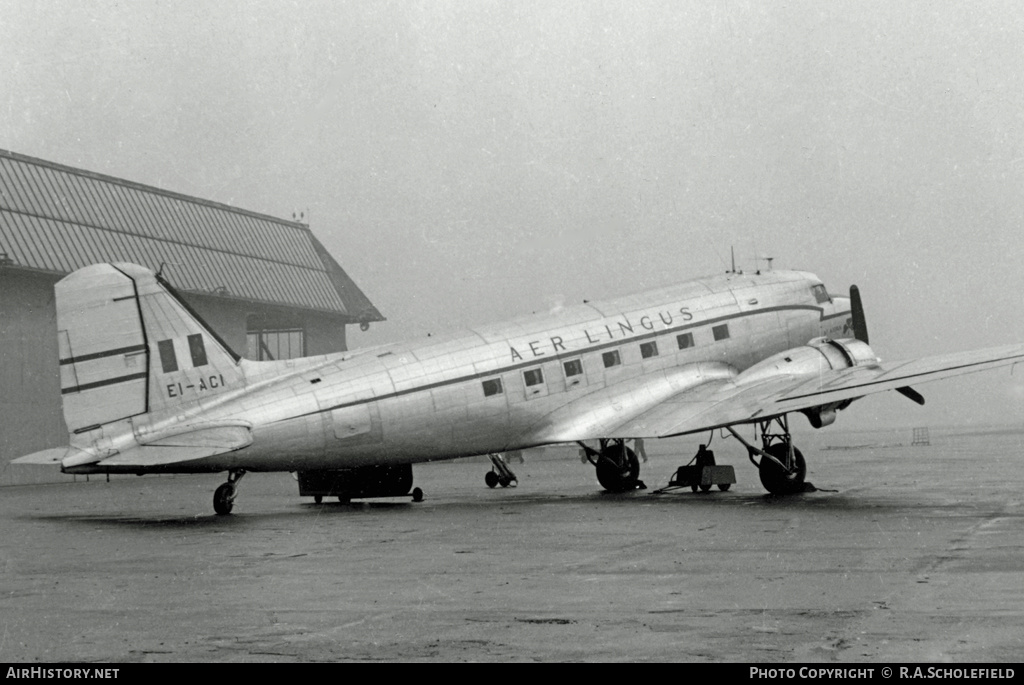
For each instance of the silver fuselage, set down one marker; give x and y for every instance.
(439, 398)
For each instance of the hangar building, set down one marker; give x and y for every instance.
(266, 285)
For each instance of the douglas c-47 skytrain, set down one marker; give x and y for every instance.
(148, 388)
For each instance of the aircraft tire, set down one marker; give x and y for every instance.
(224, 499)
(417, 495)
(318, 498)
(618, 477)
(774, 479)
(491, 478)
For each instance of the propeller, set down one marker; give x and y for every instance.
(860, 325)
(860, 332)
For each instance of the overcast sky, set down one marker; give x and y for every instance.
(470, 161)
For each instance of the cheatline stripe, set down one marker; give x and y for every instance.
(100, 384)
(105, 353)
(570, 355)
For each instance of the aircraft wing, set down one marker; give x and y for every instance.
(719, 399)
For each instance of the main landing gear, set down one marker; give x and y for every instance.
(618, 469)
(500, 473)
(224, 497)
(782, 467)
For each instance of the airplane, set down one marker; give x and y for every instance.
(148, 387)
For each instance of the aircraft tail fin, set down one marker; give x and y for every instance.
(129, 345)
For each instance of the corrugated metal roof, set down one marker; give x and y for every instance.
(57, 219)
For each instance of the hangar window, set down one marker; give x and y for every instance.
(573, 367)
(685, 340)
(649, 349)
(274, 337)
(492, 387)
(611, 359)
(168, 360)
(197, 349)
(533, 377)
(721, 332)
(820, 294)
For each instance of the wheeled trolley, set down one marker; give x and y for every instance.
(702, 473)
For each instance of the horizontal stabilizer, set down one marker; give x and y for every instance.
(149, 455)
(187, 445)
(51, 457)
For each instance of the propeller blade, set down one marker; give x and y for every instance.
(910, 393)
(860, 326)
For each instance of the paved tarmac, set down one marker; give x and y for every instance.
(917, 557)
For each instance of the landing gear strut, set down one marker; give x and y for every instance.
(500, 473)
(618, 469)
(224, 497)
(782, 467)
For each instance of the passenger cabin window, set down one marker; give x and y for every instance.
(611, 359)
(649, 349)
(721, 332)
(573, 367)
(820, 294)
(492, 387)
(685, 340)
(533, 377)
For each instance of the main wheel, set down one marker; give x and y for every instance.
(618, 469)
(491, 478)
(417, 495)
(777, 481)
(224, 499)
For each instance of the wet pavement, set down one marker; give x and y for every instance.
(915, 557)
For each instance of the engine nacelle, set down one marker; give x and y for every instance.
(818, 356)
(822, 416)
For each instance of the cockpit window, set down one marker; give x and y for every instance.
(820, 294)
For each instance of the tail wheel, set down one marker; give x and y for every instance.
(775, 479)
(618, 469)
